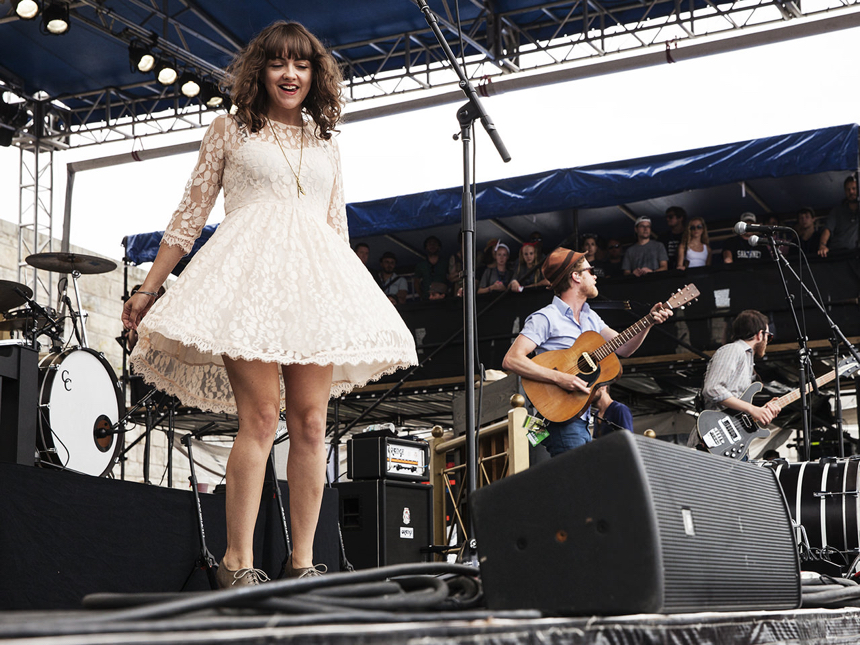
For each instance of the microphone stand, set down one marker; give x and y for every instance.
(803, 348)
(466, 116)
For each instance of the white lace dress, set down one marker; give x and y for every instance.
(277, 282)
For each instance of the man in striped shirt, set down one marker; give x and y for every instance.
(730, 371)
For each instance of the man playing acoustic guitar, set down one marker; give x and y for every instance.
(730, 372)
(557, 326)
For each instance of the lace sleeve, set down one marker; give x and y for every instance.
(337, 205)
(201, 190)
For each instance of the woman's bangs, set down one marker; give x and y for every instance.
(288, 44)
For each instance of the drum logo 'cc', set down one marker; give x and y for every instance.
(67, 382)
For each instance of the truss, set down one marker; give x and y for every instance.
(494, 44)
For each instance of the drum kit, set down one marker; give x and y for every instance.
(79, 400)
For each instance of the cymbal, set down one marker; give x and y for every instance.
(69, 262)
(8, 298)
(22, 320)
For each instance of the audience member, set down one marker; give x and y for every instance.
(694, 250)
(609, 415)
(739, 249)
(590, 248)
(646, 255)
(536, 238)
(528, 274)
(487, 259)
(455, 271)
(362, 250)
(498, 276)
(393, 285)
(676, 220)
(840, 231)
(438, 291)
(809, 236)
(779, 237)
(611, 267)
(431, 269)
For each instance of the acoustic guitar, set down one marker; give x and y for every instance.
(729, 435)
(591, 358)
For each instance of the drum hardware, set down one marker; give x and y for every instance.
(77, 264)
(79, 401)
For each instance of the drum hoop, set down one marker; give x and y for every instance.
(46, 379)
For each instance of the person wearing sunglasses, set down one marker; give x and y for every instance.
(557, 326)
(611, 265)
(731, 371)
(694, 250)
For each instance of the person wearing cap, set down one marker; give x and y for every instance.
(393, 285)
(645, 255)
(498, 276)
(557, 326)
(739, 249)
(842, 229)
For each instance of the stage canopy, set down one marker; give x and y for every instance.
(608, 194)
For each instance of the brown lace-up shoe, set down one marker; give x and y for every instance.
(228, 579)
(303, 572)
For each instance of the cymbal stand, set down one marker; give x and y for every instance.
(205, 559)
(78, 316)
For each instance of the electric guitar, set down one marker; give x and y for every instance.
(591, 358)
(729, 435)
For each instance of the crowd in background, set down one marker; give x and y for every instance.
(682, 243)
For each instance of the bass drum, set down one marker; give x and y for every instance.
(78, 397)
(823, 497)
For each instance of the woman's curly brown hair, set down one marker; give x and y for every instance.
(288, 40)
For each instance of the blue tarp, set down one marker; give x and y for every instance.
(801, 153)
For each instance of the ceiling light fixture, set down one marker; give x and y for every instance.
(189, 85)
(166, 72)
(26, 9)
(55, 17)
(210, 96)
(141, 57)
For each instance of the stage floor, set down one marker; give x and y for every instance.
(811, 627)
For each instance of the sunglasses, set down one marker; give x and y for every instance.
(696, 227)
(589, 269)
(614, 246)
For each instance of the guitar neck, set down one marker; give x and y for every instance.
(611, 346)
(794, 395)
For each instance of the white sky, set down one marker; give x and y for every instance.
(786, 87)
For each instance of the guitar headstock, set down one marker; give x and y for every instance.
(683, 296)
(847, 366)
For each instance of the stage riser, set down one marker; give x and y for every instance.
(63, 536)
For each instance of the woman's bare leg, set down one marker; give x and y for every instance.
(307, 395)
(256, 387)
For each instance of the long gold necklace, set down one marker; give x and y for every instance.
(301, 191)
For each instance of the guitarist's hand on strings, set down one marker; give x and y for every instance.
(571, 382)
(765, 414)
(660, 313)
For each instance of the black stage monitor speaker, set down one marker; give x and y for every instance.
(385, 522)
(627, 524)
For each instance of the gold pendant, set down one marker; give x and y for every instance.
(299, 186)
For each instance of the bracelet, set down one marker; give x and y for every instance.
(147, 293)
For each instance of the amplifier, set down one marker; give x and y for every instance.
(380, 455)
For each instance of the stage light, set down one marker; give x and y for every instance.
(166, 72)
(26, 9)
(13, 117)
(189, 85)
(210, 96)
(55, 17)
(140, 56)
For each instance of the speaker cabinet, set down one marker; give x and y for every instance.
(19, 402)
(627, 524)
(385, 522)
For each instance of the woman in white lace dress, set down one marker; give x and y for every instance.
(275, 308)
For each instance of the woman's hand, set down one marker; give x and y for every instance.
(135, 308)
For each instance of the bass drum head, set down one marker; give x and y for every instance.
(78, 397)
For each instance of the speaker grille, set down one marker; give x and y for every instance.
(724, 529)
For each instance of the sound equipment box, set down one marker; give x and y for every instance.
(627, 524)
(385, 522)
(19, 401)
(384, 455)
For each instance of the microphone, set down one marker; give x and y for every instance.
(745, 227)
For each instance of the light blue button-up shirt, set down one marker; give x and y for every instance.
(554, 327)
